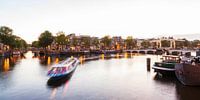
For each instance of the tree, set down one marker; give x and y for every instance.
(61, 39)
(186, 43)
(130, 42)
(45, 39)
(106, 40)
(75, 41)
(6, 36)
(18, 42)
(6, 30)
(194, 43)
(145, 44)
(13, 41)
(165, 43)
(7, 39)
(23, 44)
(85, 41)
(35, 44)
(179, 44)
(95, 41)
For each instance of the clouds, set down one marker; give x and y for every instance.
(140, 18)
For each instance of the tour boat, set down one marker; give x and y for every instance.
(167, 65)
(63, 69)
(188, 72)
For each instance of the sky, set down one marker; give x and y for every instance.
(137, 18)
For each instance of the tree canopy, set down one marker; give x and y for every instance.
(6, 30)
(61, 39)
(145, 44)
(85, 41)
(165, 43)
(35, 44)
(106, 40)
(7, 38)
(130, 42)
(45, 39)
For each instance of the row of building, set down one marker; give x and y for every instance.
(115, 43)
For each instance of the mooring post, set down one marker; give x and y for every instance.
(148, 64)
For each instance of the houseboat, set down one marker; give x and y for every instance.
(167, 65)
(188, 72)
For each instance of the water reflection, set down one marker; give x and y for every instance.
(182, 92)
(55, 84)
(187, 92)
(81, 59)
(57, 60)
(8, 63)
(55, 90)
(165, 80)
(49, 60)
(109, 79)
(102, 56)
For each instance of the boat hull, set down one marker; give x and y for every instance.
(164, 71)
(164, 68)
(188, 74)
(55, 81)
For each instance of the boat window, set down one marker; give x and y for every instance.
(59, 70)
(64, 69)
(54, 69)
(69, 67)
(73, 63)
(171, 58)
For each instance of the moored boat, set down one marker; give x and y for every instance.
(188, 72)
(16, 52)
(63, 69)
(167, 65)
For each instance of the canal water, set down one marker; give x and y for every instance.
(25, 77)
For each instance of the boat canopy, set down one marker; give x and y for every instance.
(65, 62)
